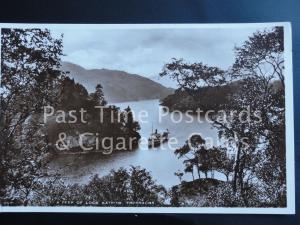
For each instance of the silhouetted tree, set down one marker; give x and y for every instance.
(98, 96)
(259, 142)
(122, 187)
(192, 77)
(179, 175)
(30, 62)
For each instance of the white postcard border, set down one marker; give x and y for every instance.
(290, 161)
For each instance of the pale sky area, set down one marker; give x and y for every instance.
(145, 51)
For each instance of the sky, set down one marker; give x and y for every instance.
(145, 51)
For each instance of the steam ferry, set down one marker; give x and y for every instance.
(156, 139)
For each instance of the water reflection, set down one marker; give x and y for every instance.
(160, 161)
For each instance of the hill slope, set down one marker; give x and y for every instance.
(118, 86)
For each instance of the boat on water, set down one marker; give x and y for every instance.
(156, 139)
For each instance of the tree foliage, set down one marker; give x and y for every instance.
(30, 61)
(191, 77)
(31, 79)
(198, 156)
(123, 187)
(258, 140)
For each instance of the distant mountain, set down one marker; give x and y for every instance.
(118, 86)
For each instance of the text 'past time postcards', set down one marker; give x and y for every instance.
(156, 118)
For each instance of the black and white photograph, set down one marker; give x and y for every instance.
(173, 118)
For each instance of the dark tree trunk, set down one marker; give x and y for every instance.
(236, 169)
(198, 173)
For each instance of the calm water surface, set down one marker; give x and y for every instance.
(161, 161)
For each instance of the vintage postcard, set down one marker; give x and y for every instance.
(156, 118)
